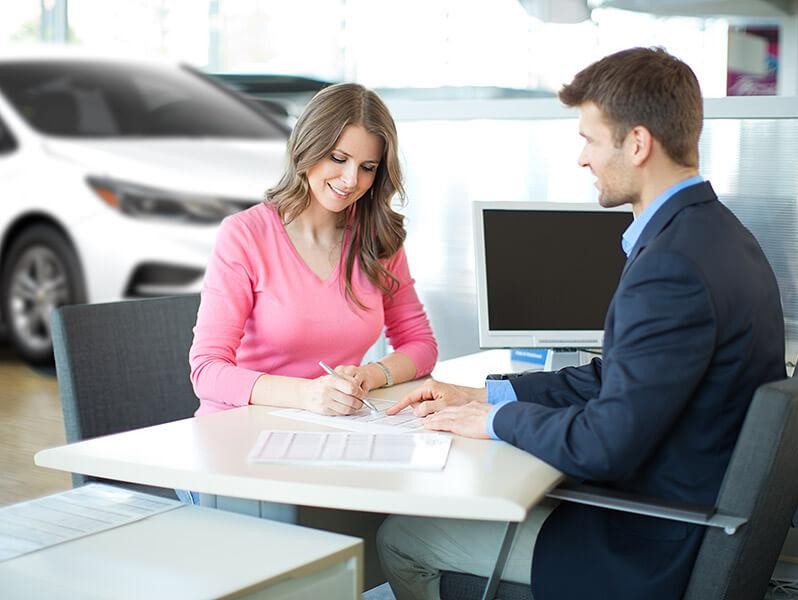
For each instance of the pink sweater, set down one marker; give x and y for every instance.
(264, 311)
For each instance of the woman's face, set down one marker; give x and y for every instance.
(338, 180)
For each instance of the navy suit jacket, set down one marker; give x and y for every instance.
(694, 327)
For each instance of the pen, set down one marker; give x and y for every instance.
(328, 369)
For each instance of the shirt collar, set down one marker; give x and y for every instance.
(632, 233)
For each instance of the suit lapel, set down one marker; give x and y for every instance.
(695, 194)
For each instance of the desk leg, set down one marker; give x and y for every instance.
(504, 550)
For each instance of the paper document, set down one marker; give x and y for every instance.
(37, 524)
(363, 420)
(419, 451)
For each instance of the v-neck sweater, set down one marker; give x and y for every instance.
(263, 310)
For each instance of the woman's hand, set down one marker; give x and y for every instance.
(333, 394)
(369, 377)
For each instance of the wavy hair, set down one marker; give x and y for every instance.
(375, 230)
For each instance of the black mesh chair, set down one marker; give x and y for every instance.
(747, 526)
(124, 365)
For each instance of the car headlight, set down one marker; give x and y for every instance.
(151, 203)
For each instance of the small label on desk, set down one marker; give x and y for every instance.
(535, 356)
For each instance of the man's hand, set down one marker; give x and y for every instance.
(433, 396)
(470, 420)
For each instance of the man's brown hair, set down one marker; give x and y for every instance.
(648, 87)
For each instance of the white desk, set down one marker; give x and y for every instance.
(191, 552)
(483, 479)
(472, 369)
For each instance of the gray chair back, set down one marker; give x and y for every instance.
(760, 485)
(123, 365)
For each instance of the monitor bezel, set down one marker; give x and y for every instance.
(527, 338)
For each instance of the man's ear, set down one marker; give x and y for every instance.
(641, 143)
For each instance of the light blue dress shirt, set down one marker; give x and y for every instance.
(632, 233)
(500, 391)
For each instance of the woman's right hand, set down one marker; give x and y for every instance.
(332, 395)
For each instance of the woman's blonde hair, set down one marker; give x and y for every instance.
(376, 231)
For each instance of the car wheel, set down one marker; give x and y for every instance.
(40, 272)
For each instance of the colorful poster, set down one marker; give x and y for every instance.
(753, 61)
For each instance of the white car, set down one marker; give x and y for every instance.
(114, 175)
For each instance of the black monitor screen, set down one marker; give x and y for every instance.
(552, 269)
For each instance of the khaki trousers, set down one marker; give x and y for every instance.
(414, 550)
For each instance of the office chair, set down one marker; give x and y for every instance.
(758, 497)
(123, 365)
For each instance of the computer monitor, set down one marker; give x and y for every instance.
(546, 272)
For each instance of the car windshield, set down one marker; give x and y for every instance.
(108, 99)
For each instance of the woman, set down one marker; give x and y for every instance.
(314, 273)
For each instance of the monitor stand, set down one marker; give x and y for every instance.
(564, 357)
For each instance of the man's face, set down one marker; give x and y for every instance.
(609, 163)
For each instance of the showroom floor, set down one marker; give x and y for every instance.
(30, 419)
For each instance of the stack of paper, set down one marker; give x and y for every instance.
(44, 522)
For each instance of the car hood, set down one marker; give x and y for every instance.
(239, 169)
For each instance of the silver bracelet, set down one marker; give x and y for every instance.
(386, 372)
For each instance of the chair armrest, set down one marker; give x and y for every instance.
(664, 509)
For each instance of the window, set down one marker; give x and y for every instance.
(7, 142)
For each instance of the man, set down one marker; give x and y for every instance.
(694, 327)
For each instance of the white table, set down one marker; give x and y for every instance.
(483, 479)
(191, 552)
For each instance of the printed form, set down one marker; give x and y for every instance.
(36, 524)
(363, 420)
(396, 450)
